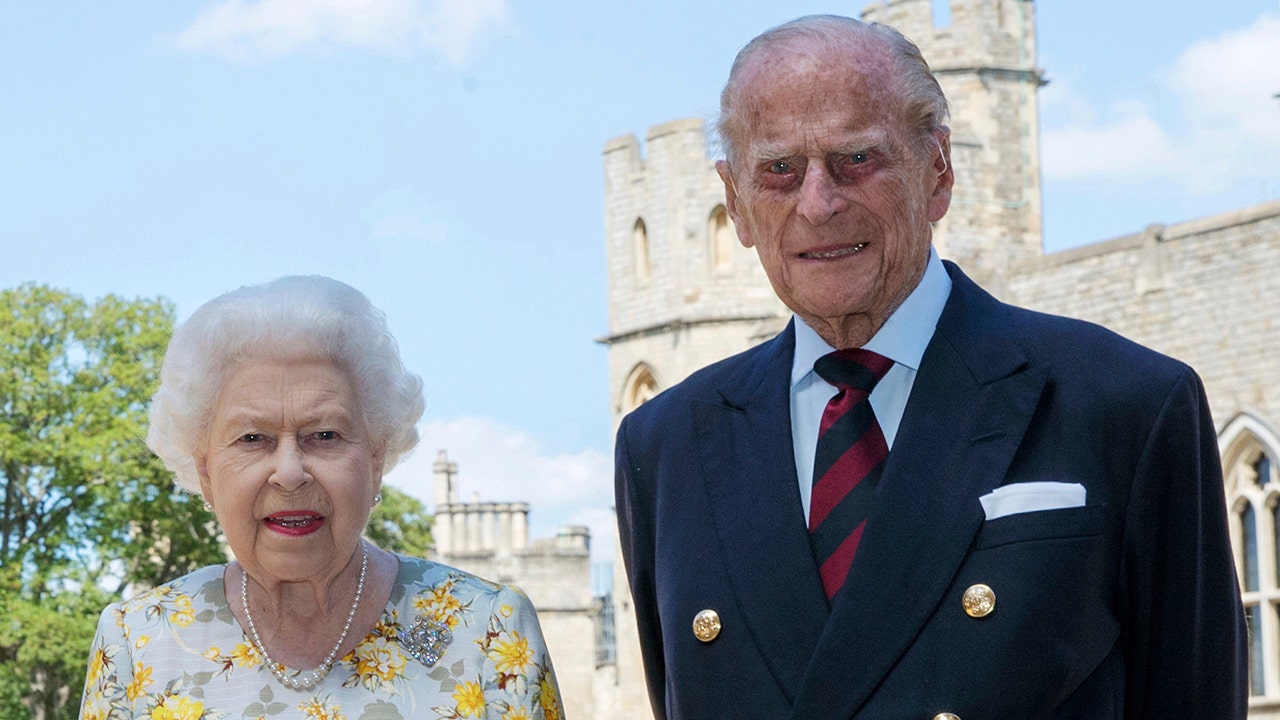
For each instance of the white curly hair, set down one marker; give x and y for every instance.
(290, 317)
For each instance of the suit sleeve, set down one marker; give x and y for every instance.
(633, 495)
(1184, 626)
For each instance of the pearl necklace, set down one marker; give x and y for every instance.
(305, 680)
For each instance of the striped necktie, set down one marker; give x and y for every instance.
(846, 469)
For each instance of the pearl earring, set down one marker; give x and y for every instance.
(207, 506)
(377, 498)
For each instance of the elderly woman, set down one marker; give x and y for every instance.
(283, 405)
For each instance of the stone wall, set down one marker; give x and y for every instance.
(1206, 292)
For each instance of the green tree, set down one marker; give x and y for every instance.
(85, 508)
(44, 646)
(400, 523)
(78, 486)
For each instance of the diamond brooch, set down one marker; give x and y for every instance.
(426, 640)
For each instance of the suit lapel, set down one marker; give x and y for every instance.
(969, 407)
(748, 465)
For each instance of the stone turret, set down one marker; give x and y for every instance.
(985, 61)
(682, 289)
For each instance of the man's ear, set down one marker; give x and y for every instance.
(940, 198)
(731, 203)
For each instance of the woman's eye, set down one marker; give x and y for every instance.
(251, 437)
(327, 435)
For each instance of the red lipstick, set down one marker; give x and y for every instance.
(294, 523)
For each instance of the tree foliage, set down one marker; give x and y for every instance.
(44, 646)
(400, 523)
(78, 486)
(84, 505)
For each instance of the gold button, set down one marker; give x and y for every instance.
(946, 716)
(979, 601)
(706, 625)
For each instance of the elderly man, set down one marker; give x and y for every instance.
(916, 501)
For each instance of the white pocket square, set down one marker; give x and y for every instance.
(1031, 496)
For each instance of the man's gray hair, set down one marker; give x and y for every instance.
(287, 318)
(924, 104)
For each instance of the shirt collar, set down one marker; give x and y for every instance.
(904, 336)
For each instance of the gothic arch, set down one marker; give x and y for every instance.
(640, 386)
(722, 239)
(1250, 451)
(640, 250)
(1241, 442)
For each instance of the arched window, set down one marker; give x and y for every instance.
(1257, 656)
(1249, 449)
(640, 250)
(639, 388)
(1248, 548)
(723, 239)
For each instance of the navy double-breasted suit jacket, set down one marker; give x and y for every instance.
(1126, 607)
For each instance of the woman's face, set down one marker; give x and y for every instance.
(289, 469)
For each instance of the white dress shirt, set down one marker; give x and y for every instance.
(902, 339)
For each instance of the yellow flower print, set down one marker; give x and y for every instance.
(516, 713)
(97, 665)
(178, 708)
(246, 655)
(549, 698)
(506, 610)
(183, 615)
(213, 653)
(318, 709)
(142, 641)
(141, 681)
(512, 656)
(386, 628)
(440, 605)
(379, 658)
(470, 699)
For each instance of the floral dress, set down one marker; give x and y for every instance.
(177, 653)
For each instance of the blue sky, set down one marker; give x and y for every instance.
(444, 156)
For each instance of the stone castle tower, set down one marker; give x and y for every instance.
(985, 62)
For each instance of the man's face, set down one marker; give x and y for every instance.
(833, 189)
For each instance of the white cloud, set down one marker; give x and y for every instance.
(1133, 146)
(1234, 79)
(1227, 129)
(247, 30)
(498, 463)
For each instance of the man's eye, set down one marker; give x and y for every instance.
(853, 165)
(780, 167)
